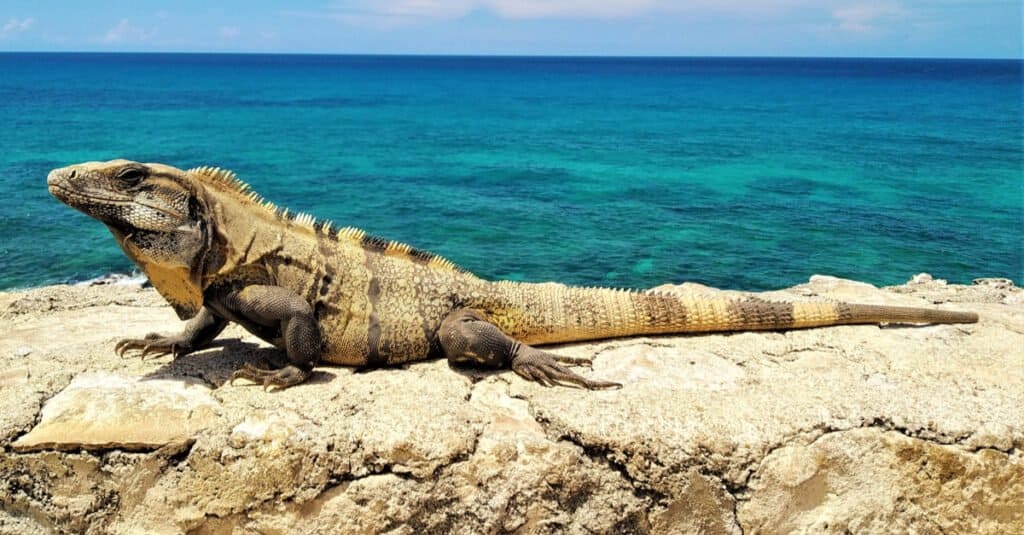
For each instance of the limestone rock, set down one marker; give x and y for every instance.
(832, 484)
(106, 411)
(855, 428)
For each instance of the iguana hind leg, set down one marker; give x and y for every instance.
(198, 333)
(467, 336)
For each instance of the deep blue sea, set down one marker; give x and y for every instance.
(631, 172)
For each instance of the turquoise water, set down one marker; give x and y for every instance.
(739, 173)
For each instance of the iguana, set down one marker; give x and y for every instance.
(220, 253)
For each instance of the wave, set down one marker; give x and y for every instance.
(135, 278)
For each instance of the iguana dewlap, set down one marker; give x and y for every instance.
(219, 253)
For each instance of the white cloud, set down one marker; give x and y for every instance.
(124, 32)
(229, 32)
(535, 9)
(15, 26)
(404, 12)
(388, 14)
(850, 17)
(865, 18)
(421, 8)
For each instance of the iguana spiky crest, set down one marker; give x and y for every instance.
(228, 182)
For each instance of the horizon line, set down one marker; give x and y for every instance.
(470, 55)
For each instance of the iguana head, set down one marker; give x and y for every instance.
(156, 212)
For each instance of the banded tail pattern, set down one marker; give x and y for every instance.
(551, 313)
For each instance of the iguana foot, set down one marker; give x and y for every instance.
(281, 378)
(154, 345)
(535, 365)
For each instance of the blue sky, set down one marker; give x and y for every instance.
(886, 28)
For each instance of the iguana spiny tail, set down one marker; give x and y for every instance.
(219, 253)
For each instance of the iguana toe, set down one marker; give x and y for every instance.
(154, 345)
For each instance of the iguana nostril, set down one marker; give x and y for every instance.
(73, 174)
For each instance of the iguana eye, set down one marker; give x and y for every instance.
(131, 175)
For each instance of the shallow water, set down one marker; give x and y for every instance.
(738, 173)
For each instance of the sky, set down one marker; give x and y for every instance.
(834, 28)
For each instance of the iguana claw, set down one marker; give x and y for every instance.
(282, 378)
(153, 344)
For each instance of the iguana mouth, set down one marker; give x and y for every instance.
(71, 196)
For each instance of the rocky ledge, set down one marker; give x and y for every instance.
(858, 429)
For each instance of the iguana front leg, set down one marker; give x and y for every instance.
(467, 336)
(281, 317)
(198, 333)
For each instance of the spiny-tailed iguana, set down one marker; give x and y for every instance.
(219, 253)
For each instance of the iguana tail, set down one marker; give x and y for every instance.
(550, 313)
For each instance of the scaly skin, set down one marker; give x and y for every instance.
(219, 253)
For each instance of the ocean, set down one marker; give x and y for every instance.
(742, 173)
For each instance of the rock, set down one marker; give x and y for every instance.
(832, 485)
(995, 282)
(99, 411)
(983, 290)
(855, 428)
(13, 376)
